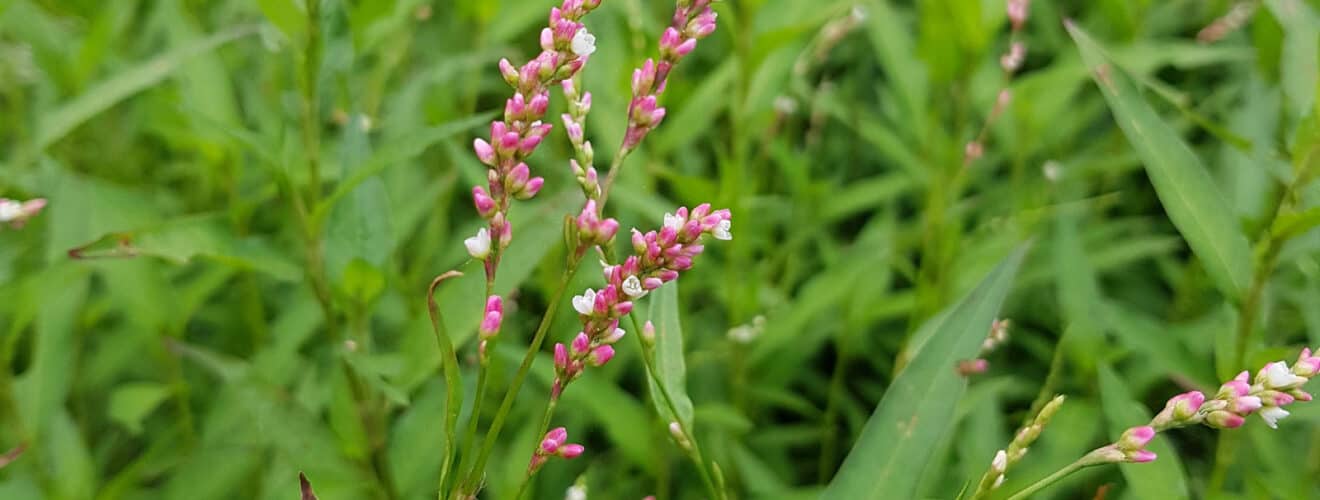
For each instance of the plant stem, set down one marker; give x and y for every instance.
(1048, 480)
(453, 386)
(546, 415)
(716, 491)
(469, 485)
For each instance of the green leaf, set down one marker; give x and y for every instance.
(1158, 480)
(359, 229)
(671, 370)
(1185, 188)
(58, 123)
(1298, 65)
(919, 408)
(287, 15)
(132, 402)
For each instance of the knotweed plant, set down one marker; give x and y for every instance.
(659, 256)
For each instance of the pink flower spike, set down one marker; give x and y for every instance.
(1143, 456)
(571, 451)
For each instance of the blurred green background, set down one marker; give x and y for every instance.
(162, 336)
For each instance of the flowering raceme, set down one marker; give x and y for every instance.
(660, 255)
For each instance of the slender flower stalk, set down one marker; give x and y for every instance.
(1017, 449)
(1274, 387)
(1011, 61)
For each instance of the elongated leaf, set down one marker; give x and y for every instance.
(1299, 65)
(1158, 480)
(1185, 188)
(919, 407)
(102, 96)
(670, 367)
(359, 229)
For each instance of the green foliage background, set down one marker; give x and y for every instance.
(162, 336)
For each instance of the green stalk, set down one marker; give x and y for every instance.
(1049, 480)
(716, 490)
(453, 386)
(469, 485)
(546, 415)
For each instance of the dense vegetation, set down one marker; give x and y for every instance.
(246, 202)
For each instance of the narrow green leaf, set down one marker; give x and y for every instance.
(670, 366)
(1185, 188)
(56, 124)
(1298, 65)
(919, 408)
(1158, 480)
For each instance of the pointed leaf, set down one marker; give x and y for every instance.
(1185, 188)
(670, 367)
(919, 408)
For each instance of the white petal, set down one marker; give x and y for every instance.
(633, 287)
(721, 231)
(478, 246)
(584, 43)
(586, 302)
(1272, 415)
(672, 221)
(1277, 375)
(10, 210)
(1000, 462)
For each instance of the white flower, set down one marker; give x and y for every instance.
(576, 492)
(479, 246)
(743, 334)
(586, 302)
(584, 43)
(10, 210)
(1000, 463)
(721, 231)
(998, 481)
(633, 287)
(1278, 376)
(673, 222)
(1271, 415)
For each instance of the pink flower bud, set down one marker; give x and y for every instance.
(623, 308)
(514, 108)
(972, 152)
(561, 357)
(581, 343)
(1307, 365)
(540, 102)
(608, 228)
(509, 72)
(1224, 420)
(533, 186)
(969, 367)
(508, 143)
(558, 434)
(686, 47)
(571, 451)
(484, 203)
(485, 152)
(549, 446)
(517, 178)
(1142, 456)
(702, 25)
(547, 39)
(490, 325)
(1245, 405)
(1136, 438)
(1237, 387)
(652, 283)
(602, 355)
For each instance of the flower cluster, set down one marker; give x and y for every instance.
(16, 213)
(1010, 61)
(693, 20)
(565, 45)
(661, 256)
(1274, 387)
(553, 445)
